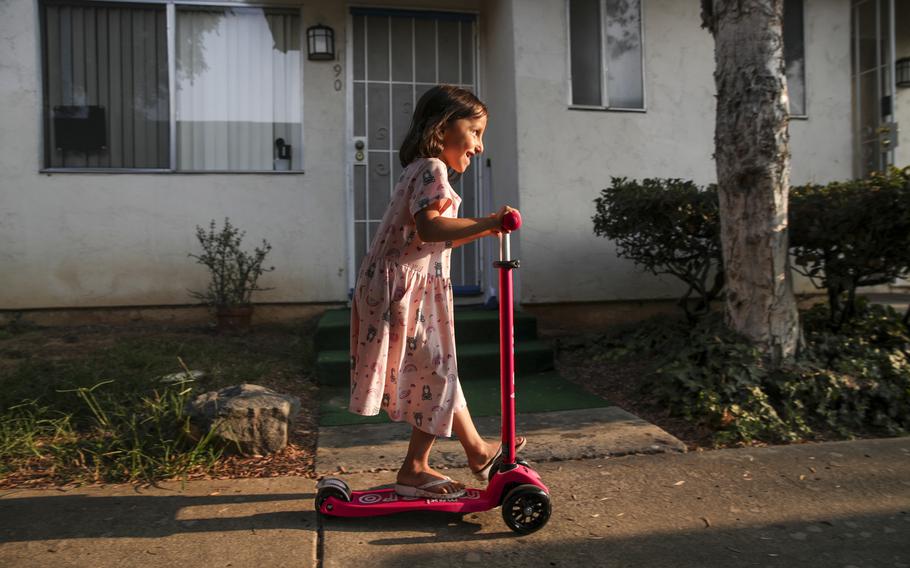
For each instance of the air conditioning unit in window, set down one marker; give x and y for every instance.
(79, 127)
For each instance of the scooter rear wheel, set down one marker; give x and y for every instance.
(526, 509)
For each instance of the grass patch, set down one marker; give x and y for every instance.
(89, 406)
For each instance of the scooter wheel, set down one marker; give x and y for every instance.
(526, 509)
(327, 492)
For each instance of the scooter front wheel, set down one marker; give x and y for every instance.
(331, 487)
(526, 509)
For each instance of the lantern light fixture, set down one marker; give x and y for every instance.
(320, 43)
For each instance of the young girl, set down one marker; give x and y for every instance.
(402, 326)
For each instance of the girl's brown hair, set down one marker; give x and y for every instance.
(436, 109)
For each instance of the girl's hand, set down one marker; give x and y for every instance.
(498, 216)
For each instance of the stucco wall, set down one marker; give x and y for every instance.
(500, 140)
(566, 156)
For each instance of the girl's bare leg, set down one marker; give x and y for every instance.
(416, 469)
(478, 450)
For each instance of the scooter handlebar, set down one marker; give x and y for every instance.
(511, 221)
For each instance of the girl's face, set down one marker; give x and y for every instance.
(462, 139)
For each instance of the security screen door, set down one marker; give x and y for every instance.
(873, 84)
(396, 55)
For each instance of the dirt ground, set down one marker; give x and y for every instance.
(617, 382)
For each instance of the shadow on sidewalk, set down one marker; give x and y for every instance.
(858, 540)
(150, 516)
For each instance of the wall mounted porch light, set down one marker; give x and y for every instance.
(320, 43)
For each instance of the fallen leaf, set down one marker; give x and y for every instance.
(706, 521)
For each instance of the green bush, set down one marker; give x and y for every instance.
(853, 381)
(666, 226)
(850, 234)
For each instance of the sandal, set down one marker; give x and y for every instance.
(483, 474)
(422, 490)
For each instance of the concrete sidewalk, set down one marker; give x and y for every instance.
(828, 505)
(552, 436)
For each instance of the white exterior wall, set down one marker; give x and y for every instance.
(567, 156)
(497, 28)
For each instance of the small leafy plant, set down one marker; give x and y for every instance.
(234, 272)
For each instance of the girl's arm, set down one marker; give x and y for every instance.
(432, 227)
(466, 240)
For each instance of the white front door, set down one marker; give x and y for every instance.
(395, 56)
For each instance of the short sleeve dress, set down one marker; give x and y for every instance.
(402, 327)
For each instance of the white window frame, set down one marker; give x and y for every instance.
(805, 115)
(171, 17)
(604, 93)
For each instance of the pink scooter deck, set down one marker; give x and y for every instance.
(385, 501)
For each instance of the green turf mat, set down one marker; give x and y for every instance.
(543, 392)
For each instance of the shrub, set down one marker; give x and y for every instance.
(234, 272)
(850, 234)
(666, 226)
(853, 381)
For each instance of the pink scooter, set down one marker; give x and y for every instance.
(525, 500)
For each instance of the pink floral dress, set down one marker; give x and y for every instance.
(402, 327)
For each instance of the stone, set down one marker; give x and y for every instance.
(248, 419)
(183, 377)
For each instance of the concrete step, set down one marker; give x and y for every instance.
(475, 361)
(472, 325)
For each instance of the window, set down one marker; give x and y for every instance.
(612, 77)
(105, 86)
(794, 56)
(221, 93)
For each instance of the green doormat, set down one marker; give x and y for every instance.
(542, 392)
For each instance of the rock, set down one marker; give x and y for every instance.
(249, 419)
(182, 377)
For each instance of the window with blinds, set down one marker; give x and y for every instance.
(105, 86)
(226, 97)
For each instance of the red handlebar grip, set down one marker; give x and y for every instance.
(511, 221)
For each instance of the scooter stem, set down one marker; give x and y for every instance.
(506, 264)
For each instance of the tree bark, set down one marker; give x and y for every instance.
(753, 171)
